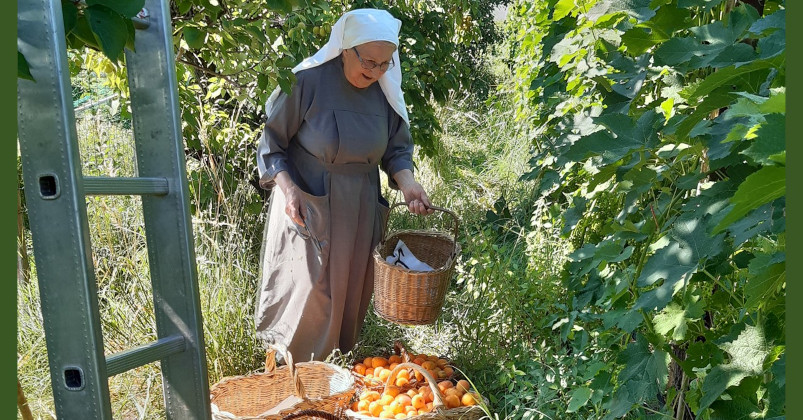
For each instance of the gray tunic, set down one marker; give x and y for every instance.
(331, 138)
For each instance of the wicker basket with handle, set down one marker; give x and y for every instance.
(411, 297)
(439, 409)
(282, 391)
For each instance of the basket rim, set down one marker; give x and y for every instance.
(446, 266)
(314, 363)
(446, 413)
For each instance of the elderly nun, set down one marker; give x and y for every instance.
(320, 155)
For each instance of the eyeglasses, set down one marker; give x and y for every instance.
(371, 64)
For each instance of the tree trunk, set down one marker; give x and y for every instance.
(22, 403)
(23, 264)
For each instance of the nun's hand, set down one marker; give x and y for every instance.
(414, 194)
(294, 203)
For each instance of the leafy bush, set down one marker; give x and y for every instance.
(668, 115)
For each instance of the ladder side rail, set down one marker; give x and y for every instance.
(168, 224)
(57, 211)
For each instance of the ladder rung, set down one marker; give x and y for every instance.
(144, 354)
(96, 185)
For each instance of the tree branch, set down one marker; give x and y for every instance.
(211, 73)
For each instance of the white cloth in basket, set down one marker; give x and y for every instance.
(403, 257)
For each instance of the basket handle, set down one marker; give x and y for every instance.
(441, 209)
(270, 367)
(398, 348)
(312, 413)
(437, 398)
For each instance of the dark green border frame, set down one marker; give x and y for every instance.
(794, 126)
(8, 294)
(8, 119)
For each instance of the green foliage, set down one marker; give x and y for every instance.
(103, 25)
(670, 114)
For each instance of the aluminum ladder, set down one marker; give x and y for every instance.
(55, 191)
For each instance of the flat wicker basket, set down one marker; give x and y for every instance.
(411, 297)
(282, 391)
(439, 409)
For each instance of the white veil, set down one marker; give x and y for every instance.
(354, 28)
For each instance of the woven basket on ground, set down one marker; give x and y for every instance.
(439, 409)
(413, 297)
(282, 391)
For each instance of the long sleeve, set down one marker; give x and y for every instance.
(399, 153)
(280, 128)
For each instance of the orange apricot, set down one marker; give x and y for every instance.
(375, 407)
(469, 398)
(393, 391)
(451, 401)
(386, 399)
(463, 384)
(379, 361)
(359, 368)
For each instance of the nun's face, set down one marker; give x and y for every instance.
(364, 64)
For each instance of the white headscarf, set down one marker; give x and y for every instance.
(354, 28)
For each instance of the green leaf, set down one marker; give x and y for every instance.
(705, 5)
(776, 20)
(747, 354)
(777, 387)
(645, 372)
(772, 45)
(689, 243)
(676, 318)
(184, 6)
(717, 99)
(562, 9)
(83, 32)
(194, 37)
(286, 80)
(755, 223)
(770, 140)
(126, 8)
(578, 399)
(639, 9)
(736, 408)
(590, 256)
(23, 71)
(622, 137)
(639, 40)
(69, 12)
(758, 289)
(761, 187)
(668, 20)
(726, 75)
(109, 28)
(279, 5)
(676, 51)
(775, 104)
